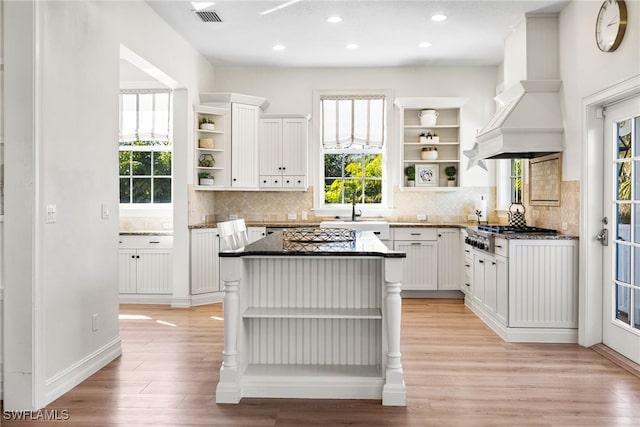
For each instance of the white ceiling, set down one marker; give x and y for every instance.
(387, 31)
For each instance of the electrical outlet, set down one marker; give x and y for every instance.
(472, 217)
(94, 322)
(422, 217)
(291, 216)
(233, 216)
(565, 226)
(303, 216)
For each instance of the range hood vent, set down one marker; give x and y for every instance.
(527, 125)
(208, 15)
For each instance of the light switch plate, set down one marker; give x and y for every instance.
(105, 211)
(291, 216)
(51, 214)
(422, 217)
(233, 216)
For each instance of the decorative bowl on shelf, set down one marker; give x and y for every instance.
(207, 182)
(205, 143)
(206, 161)
(429, 153)
(208, 126)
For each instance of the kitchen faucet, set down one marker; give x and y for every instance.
(354, 215)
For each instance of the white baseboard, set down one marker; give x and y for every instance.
(145, 299)
(448, 294)
(540, 335)
(64, 381)
(182, 302)
(209, 298)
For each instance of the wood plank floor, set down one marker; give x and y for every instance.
(457, 371)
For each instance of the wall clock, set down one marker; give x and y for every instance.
(611, 25)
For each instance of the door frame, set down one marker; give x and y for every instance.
(591, 192)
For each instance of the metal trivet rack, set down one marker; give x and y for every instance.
(319, 235)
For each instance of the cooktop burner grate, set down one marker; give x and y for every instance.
(508, 229)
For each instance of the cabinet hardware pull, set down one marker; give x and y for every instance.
(493, 263)
(467, 265)
(415, 244)
(416, 234)
(439, 235)
(154, 241)
(466, 284)
(137, 256)
(133, 256)
(481, 261)
(499, 246)
(376, 232)
(466, 250)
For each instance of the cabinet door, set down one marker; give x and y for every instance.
(420, 265)
(127, 271)
(244, 145)
(502, 295)
(270, 147)
(294, 146)
(449, 259)
(205, 263)
(154, 271)
(256, 233)
(478, 278)
(490, 288)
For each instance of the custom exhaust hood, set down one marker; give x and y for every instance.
(527, 125)
(528, 122)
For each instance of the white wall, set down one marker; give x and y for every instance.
(289, 90)
(60, 274)
(585, 70)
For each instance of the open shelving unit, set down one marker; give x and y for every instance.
(220, 150)
(446, 129)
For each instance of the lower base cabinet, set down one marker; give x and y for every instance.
(146, 265)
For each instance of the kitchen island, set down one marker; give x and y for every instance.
(312, 320)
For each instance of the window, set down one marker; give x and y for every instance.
(352, 135)
(145, 147)
(516, 181)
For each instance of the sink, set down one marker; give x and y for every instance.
(380, 228)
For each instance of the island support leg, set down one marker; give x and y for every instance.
(228, 389)
(394, 392)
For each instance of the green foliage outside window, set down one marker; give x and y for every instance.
(353, 175)
(145, 172)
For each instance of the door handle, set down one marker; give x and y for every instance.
(603, 237)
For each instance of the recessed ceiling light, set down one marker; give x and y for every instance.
(424, 44)
(334, 19)
(199, 5)
(278, 47)
(352, 46)
(439, 17)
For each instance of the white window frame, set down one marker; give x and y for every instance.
(150, 209)
(316, 173)
(503, 185)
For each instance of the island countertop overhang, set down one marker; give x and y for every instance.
(366, 244)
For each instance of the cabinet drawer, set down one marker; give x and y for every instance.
(502, 247)
(146, 242)
(415, 234)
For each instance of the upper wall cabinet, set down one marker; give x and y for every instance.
(429, 134)
(241, 156)
(282, 151)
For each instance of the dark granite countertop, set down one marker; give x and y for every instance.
(317, 224)
(365, 244)
(525, 236)
(146, 233)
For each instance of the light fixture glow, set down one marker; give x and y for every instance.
(278, 47)
(439, 17)
(334, 19)
(282, 6)
(424, 44)
(352, 46)
(199, 5)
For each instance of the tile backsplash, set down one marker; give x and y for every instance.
(554, 217)
(273, 206)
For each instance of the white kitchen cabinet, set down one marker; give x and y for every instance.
(479, 277)
(421, 263)
(502, 289)
(448, 259)
(146, 265)
(205, 263)
(244, 145)
(443, 137)
(256, 233)
(283, 151)
(211, 148)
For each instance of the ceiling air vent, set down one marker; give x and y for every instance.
(208, 15)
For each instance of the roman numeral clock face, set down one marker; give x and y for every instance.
(611, 25)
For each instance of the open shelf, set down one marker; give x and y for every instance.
(312, 313)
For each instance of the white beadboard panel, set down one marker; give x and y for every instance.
(127, 271)
(420, 265)
(315, 341)
(205, 263)
(543, 286)
(154, 271)
(270, 146)
(244, 155)
(294, 146)
(314, 283)
(313, 313)
(449, 259)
